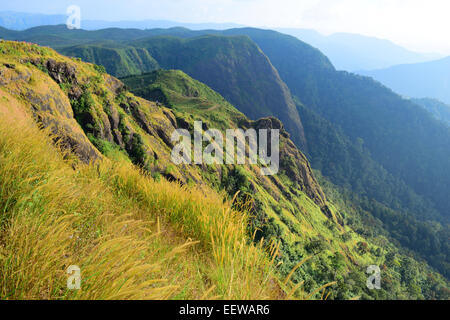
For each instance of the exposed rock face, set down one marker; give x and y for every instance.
(293, 162)
(51, 108)
(72, 113)
(61, 72)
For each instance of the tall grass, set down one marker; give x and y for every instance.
(132, 237)
(241, 269)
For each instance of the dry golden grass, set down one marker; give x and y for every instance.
(132, 237)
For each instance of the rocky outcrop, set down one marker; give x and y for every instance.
(293, 162)
(50, 107)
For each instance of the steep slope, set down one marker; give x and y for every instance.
(402, 137)
(427, 79)
(349, 164)
(336, 247)
(234, 67)
(88, 111)
(399, 135)
(360, 182)
(192, 100)
(289, 209)
(130, 234)
(119, 60)
(439, 110)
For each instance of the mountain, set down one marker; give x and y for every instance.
(75, 180)
(353, 52)
(234, 67)
(60, 36)
(314, 81)
(73, 188)
(119, 60)
(399, 135)
(152, 24)
(428, 79)
(253, 85)
(347, 51)
(382, 154)
(440, 111)
(22, 21)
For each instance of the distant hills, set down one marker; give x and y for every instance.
(428, 79)
(352, 52)
(22, 21)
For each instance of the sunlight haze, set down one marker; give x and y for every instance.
(416, 24)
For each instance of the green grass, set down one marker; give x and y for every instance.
(133, 237)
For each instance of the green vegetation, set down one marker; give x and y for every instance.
(381, 157)
(407, 173)
(118, 60)
(190, 98)
(133, 237)
(438, 109)
(337, 251)
(236, 68)
(233, 66)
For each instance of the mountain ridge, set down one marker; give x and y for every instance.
(426, 79)
(353, 52)
(124, 127)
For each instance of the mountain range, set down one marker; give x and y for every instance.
(22, 21)
(380, 161)
(421, 80)
(354, 52)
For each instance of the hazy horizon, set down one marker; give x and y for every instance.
(414, 24)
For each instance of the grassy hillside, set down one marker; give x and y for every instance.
(335, 246)
(132, 236)
(252, 84)
(184, 227)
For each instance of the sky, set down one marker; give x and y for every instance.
(420, 25)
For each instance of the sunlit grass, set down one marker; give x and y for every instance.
(132, 237)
